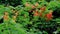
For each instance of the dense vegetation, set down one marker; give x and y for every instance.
(29, 16)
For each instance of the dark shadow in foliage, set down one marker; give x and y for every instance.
(1, 20)
(58, 32)
(2, 30)
(56, 13)
(11, 2)
(28, 27)
(31, 14)
(47, 27)
(48, 0)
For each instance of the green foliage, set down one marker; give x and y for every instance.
(25, 23)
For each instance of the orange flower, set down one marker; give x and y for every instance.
(33, 6)
(27, 4)
(49, 16)
(43, 8)
(5, 17)
(36, 13)
(40, 14)
(6, 13)
(36, 4)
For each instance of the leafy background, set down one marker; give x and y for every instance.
(25, 22)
